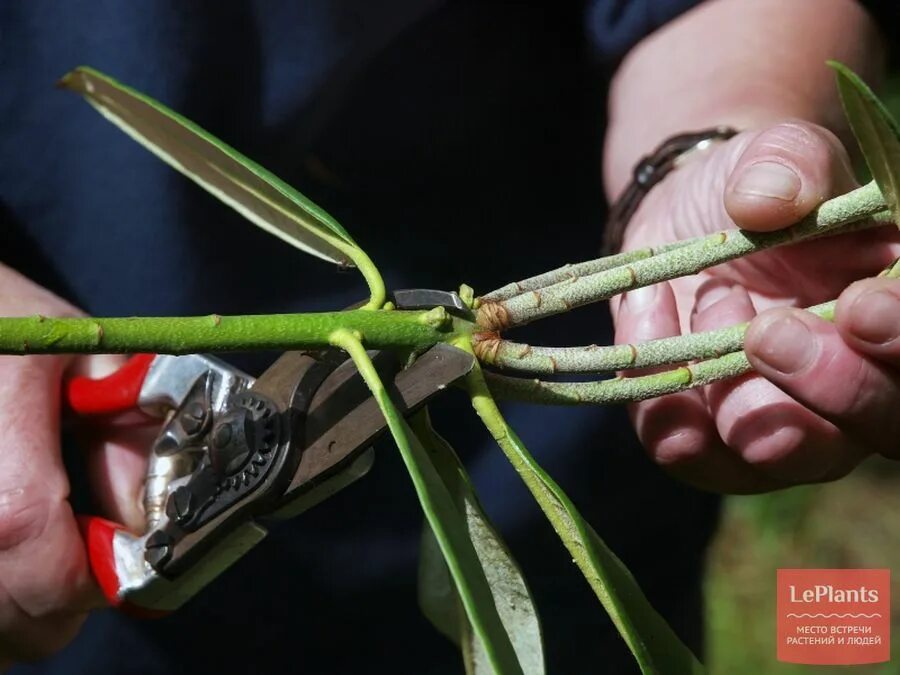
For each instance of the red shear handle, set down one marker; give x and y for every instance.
(98, 534)
(114, 393)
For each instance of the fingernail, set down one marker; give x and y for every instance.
(875, 317)
(710, 297)
(786, 344)
(769, 179)
(640, 298)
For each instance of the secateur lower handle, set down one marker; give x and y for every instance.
(117, 392)
(156, 385)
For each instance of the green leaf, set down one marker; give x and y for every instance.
(655, 646)
(876, 131)
(442, 514)
(234, 179)
(437, 596)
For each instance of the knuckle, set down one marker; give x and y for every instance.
(24, 516)
(679, 449)
(789, 136)
(31, 538)
(798, 143)
(780, 454)
(866, 405)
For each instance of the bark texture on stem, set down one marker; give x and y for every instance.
(862, 203)
(508, 355)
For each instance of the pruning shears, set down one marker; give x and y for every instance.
(235, 453)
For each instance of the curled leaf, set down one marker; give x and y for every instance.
(254, 192)
(876, 131)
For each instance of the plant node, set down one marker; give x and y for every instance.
(492, 316)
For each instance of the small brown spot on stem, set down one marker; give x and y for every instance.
(632, 274)
(99, 334)
(634, 354)
(216, 319)
(554, 366)
(526, 350)
(537, 298)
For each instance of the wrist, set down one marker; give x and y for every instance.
(742, 63)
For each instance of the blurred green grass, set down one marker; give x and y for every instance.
(852, 523)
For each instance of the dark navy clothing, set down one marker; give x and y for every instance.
(456, 141)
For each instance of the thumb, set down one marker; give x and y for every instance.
(784, 173)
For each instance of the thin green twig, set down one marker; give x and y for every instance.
(618, 389)
(830, 217)
(632, 389)
(515, 356)
(575, 270)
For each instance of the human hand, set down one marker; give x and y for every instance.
(46, 588)
(824, 395)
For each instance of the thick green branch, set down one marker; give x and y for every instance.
(831, 217)
(214, 333)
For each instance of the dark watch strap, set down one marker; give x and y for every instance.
(650, 171)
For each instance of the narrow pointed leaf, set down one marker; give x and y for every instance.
(234, 179)
(876, 131)
(437, 595)
(655, 646)
(443, 516)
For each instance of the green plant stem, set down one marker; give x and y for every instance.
(516, 356)
(630, 389)
(442, 514)
(830, 217)
(214, 333)
(575, 270)
(618, 389)
(572, 271)
(654, 645)
(377, 290)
